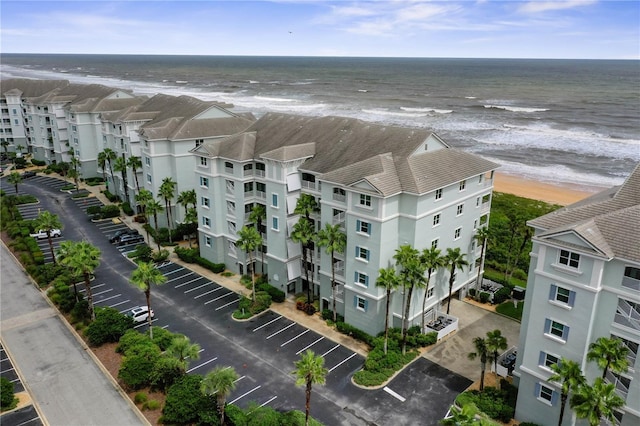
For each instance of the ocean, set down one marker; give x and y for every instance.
(562, 121)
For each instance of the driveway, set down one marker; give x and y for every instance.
(452, 351)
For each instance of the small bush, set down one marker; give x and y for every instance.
(185, 401)
(8, 401)
(108, 326)
(110, 211)
(484, 297)
(93, 210)
(39, 163)
(126, 208)
(163, 338)
(501, 295)
(354, 332)
(140, 398)
(166, 371)
(277, 295)
(187, 254)
(130, 339)
(160, 256)
(151, 405)
(138, 365)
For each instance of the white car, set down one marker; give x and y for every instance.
(140, 313)
(43, 234)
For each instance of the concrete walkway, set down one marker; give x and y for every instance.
(65, 381)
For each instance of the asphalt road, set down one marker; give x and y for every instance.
(263, 350)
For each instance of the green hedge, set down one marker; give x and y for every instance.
(108, 326)
(192, 255)
(277, 295)
(8, 401)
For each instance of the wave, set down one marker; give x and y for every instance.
(439, 111)
(394, 113)
(516, 109)
(269, 99)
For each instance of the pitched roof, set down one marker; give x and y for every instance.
(609, 221)
(30, 88)
(347, 151)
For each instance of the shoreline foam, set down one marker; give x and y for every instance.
(561, 193)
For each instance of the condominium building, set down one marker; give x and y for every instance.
(584, 283)
(386, 186)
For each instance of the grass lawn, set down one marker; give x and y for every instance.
(509, 310)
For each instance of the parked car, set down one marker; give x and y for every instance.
(140, 313)
(28, 174)
(129, 239)
(114, 238)
(43, 234)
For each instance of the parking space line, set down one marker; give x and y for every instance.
(102, 292)
(175, 270)
(245, 394)
(197, 288)
(394, 394)
(218, 298)
(83, 289)
(108, 298)
(226, 304)
(294, 338)
(330, 350)
(4, 371)
(208, 292)
(309, 345)
(343, 361)
(188, 282)
(142, 324)
(119, 303)
(200, 365)
(268, 401)
(264, 325)
(281, 330)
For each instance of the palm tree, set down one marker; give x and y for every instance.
(388, 280)
(110, 156)
(5, 145)
(596, 402)
(102, 163)
(14, 179)
(481, 236)
(249, 241)
(82, 259)
(153, 208)
(334, 241)
(454, 260)
(167, 190)
(484, 354)
(468, 415)
(310, 371)
(496, 342)
(135, 163)
(432, 260)
(191, 218)
(258, 215)
(19, 148)
(306, 205)
(220, 382)
(120, 165)
(75, 175)
(187, 197)
(412, 276)
(181, 348)
(304, 234)
(609, 353)
(48, 221)
(64, 250)
(143, 198)
(569, 375)
(143, 277)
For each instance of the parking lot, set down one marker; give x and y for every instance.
(26, 415)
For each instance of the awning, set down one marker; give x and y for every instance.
(293, 182)
(293, 270)
(291, 203)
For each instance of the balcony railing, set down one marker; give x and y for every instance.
(259, 173)
(247, 173)
(339, 197)
(627, 314)
(261, 194)
(309, 185)
(339, 218)
(621, 388)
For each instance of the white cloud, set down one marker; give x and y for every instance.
(544, 6)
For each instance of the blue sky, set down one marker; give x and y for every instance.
(393, 28)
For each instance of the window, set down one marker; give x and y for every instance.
(475, 224)
(206, 221)
(274, 200)
(339, 194)
(148, 178)
(554, 328)
(204, 182)
(203, 161)
(228, 167)
(199, 142)
(459, 209)
(436, 219)
(569, 258)
(547, 360)
(248, 187)
(363, 227)
(438, 194)
(434, 243)
(457, 233)
(207, 241)
(362, 279)
(274, 223)
(546, 394)
(260, 169)
(74, 128)
(362, 253)
(430, 292)
(147, 161)
(360, 303)
(562, 295)
(204, 202)
(463, 185)
(365, 200)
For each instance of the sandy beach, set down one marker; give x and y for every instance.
(560, 193)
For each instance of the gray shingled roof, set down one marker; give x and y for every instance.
(609, 220)
(31, 88)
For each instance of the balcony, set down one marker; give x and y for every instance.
(309, 185)
(259, 173)
(621, 383)
(261, 194)
(627, 314)
(339, 218)
(339, 197)
(338, 267)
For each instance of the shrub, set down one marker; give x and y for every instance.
(484, 297)
(354, 332)
(138, 365)
(166, 371)
(187, 254)
(38, 162)
(80, 312)
(495, 403)
(501, 295)
(126, 208)
(93, 210)
(296, 418)
(142, 252)
(472, 292)
(8, 401)
(262, 416)
(214, 267)
(108, 326)
(130, 339)
(236, 415)
(163, 338)
(185, 401)
(109, 211)
(160, 256)
(49, 272)
(277, 295)
(140, 398)
(151, 405)
(62, 296)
